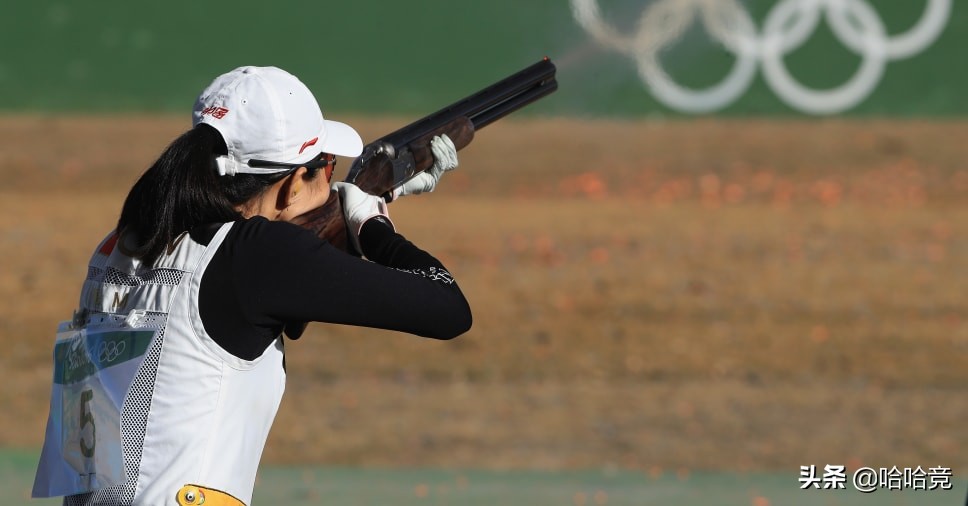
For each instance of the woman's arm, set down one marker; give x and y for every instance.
(285, 273)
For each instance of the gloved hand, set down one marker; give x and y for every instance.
(358, 207)
(445, 159)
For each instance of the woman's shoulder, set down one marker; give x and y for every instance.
(259, 225)
(263, 234)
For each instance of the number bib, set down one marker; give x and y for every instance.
(93, 370)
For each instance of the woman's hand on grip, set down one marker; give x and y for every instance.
(358, 207)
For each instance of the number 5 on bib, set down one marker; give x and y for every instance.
(93, 370)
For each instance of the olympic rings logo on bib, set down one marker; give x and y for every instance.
(788, 25)
(109, 351)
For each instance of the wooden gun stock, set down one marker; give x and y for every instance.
(395, 158)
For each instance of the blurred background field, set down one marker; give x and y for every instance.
(669, 309)
(308, 485)
(661, 297)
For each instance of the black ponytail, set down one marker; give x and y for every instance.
(181, 191)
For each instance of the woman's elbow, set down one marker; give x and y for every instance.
(458, 324)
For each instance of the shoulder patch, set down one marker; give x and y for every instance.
(108, 245)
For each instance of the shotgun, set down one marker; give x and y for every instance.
(395, 158)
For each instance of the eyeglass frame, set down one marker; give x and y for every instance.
(316, 163)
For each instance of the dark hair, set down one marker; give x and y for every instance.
(181, 191)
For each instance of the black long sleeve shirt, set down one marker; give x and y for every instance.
(269, 275)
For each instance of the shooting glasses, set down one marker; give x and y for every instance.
(321, 160)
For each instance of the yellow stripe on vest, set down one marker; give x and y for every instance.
(193, 495)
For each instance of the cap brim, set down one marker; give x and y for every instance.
(341, 140)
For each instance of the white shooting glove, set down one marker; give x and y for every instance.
(358, 207)
(445, 159)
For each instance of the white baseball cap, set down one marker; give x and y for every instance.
(266, 113)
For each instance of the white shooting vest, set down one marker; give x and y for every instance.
(144, 402)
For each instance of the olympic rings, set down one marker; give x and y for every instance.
(108, 351)
(787, 26)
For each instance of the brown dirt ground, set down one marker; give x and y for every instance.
(717, 294)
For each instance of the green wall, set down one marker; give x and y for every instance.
(412, 57)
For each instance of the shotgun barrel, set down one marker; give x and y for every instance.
(487, 105)
(480, 109)
(394, 158)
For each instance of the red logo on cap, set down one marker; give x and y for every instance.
(308, 143)
(215, 112)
